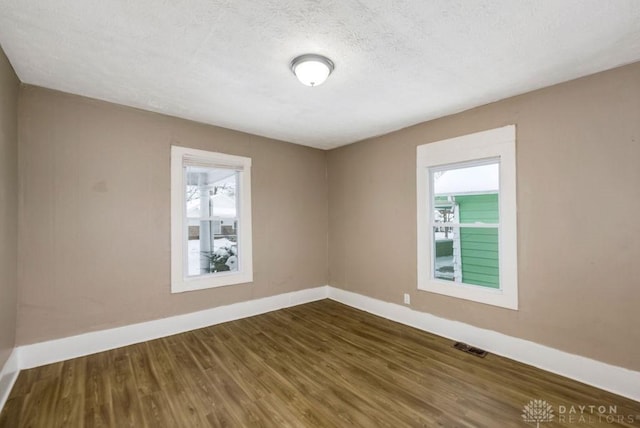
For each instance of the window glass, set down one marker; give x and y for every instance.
(212, 216)
(463, 195)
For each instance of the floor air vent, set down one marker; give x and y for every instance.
(470, 349)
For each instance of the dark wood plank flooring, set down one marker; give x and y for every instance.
(321, 364)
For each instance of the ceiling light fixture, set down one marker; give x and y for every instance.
(312, 69)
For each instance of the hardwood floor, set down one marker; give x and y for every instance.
(321, 364)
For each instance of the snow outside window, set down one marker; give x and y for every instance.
(211, 219)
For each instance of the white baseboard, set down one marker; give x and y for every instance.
(66, 348)
(8, 376)
(601, 375)
(611, 378)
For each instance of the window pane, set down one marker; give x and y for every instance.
(479, 255)
(444, 264)
(211, 206)
(467, 254)
(211, 192)
(466, 194)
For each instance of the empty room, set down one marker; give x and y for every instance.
(417, 213)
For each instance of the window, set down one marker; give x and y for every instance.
(210, 219)
(467, 234)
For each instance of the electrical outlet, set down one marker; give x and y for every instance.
(407, 299)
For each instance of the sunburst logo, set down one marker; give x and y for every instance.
(537, 411)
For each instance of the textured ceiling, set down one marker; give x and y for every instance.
(226, 62)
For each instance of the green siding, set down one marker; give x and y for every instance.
(475, 208)
(479, 246)
(479, 251)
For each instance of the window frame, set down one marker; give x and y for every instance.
(494, 143)
(180, 280)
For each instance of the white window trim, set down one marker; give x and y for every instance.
(180, 282)
(499, 142)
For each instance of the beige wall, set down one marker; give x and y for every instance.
(94, 217)
(8, 206)
(95, 224)
(578, 160)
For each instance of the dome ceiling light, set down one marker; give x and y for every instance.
(312, 69)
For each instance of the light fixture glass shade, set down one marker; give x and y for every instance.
(311, 69)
